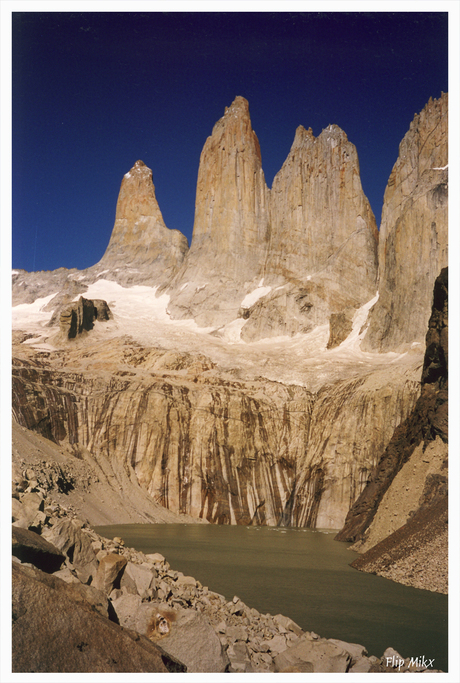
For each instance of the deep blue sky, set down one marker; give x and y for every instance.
(94, 92)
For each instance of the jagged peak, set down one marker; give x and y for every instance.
(238, 111)
(239, 104)
(301, 135)
(139, 168)
(334, 131)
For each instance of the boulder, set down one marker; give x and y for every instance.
(34, 549)
(287, 623)
(142, 576)
(109, 572)
(28, 511)
(314, 656)
(238, 654)
(52, 633)
(132, 612)
(70, 539)
(188, 636)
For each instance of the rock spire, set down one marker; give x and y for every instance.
(321, 219)
(232, 214)
(140, 238)
(314, 230)
(232, 222)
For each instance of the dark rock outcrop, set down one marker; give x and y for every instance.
(428, 419)
(34, 549)
(418, 443)
(79, 317)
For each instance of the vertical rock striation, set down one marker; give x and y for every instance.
(322, 255)
(322, 222)
(231, 228)
(227, 451)
(413, 232)
(313, 234)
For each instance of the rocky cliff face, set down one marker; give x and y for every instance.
(314, 229)
(413, 232)
(201, 443)
(226, 441)
(400, 518)
(322, 224)
(232, 223)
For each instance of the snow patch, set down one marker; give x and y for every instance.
(130, 302)
(440, 168)
(254, 296)
(26, 315)
(356, 336)
(183, 286)
(231, 333)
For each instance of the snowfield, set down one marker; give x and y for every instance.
(142, 315)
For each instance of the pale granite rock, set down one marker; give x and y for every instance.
(140, 238)
(413, 233)
(232, 226)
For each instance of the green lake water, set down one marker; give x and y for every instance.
(305, 575)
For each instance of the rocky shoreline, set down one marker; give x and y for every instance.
(85, 603)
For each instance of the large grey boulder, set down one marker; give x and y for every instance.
(28, 511)
(131, 611)
(140, 577)
(53, 633)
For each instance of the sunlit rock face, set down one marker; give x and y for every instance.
(140, 239)
(322, 256)
(413, 232)
(230, 452)
(231, 228)
(173, 408)
(322, 223)
(313, 234)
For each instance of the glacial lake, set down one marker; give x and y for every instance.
(305, 575)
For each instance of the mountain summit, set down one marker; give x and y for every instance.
(140, 240)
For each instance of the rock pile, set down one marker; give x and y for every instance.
(82, 602)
